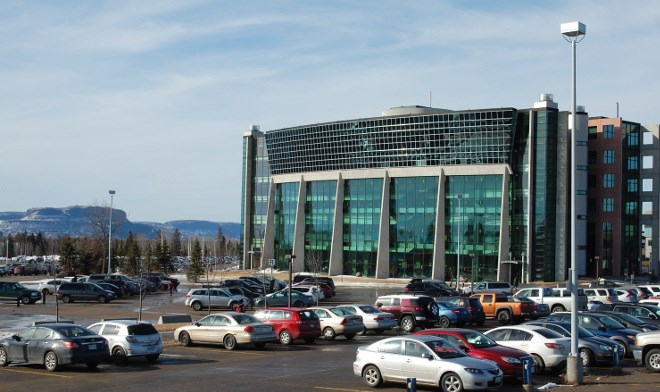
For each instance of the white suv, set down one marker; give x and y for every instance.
(488, 287)
(603, 295)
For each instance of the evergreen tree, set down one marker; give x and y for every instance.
(131, 255)
(68, 257)
(195, 269)
(176, 243)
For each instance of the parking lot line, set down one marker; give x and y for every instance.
(15, 370)
(226, 351)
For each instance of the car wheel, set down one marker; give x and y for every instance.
(587, 357)
(119, 355)
(286, 338)
(184, 339)
(92, 365)
(102, 299)
(197, 306)
(298, 304)
(652, 360)
(151, 358)
(557, 308)
(504, 317)
(260, 345)
(451, 382)
(444, 322)
(363, 332)
(328, 333)
(433, 308)
(371, 376)
(539, 365)
(25, 299)
(349, 336)
(4, 359)
(50, 361)
(229, 342)
(66, 299)
(408, 324)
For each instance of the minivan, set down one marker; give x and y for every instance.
(70, 292)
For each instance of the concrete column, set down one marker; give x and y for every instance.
(336, 263)
(383, 254)
(439, 263)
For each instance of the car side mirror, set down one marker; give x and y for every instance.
(198, 324)
(602, 329)
(464, 348)
(16, 337)
(427, 356)
(378, 304)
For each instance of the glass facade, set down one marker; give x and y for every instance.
(286, 205)
(473, 207)
(413, 203)
(362, 209)
(320, 201)
(470, 137)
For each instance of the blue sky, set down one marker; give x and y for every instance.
(151, 98)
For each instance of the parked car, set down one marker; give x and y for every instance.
(292, 324)
(646, 312)
(558, 300)
(548, 348)
(409, 310)
(54, 345)
(450, 314)
(318, 279)
(281, 298)
(75, 291)
(474, 307)
(111, 287)
(17, 292)
(601, 325)
(372, 318)
(478, 345)
(441, 284)
(417, 286)
(646, 350)
(591, 348)
(133, 285)
(430, 360)
(492, 287)
(337, 321)
(602, 295)
(504, 308)
(315, 293)
(641, 292)
(215, 298)
(630, 321)
(44, 286)
(626, 295)
(130, 338)
(230, 329)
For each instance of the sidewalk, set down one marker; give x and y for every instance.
(633, 378)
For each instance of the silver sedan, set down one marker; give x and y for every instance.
(433, 361)
(372, 318)
(229, 329)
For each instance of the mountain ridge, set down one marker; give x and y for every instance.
(77, 221)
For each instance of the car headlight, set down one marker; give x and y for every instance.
(631, 337)
(474, 371)
(511, 360)
(606, 347)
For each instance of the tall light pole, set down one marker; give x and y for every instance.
(459, 196)
(112, 195)
(290, 258)
(573, 32)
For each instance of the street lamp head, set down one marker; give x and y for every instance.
(111, 192)
(573, 31)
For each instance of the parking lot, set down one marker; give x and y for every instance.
(325, 365)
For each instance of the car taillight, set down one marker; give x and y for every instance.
(70, 345)
(629, 294)
(417, 308)
(455, 311)
(406, 289)
(132, 339)
(470, 309)
(379, 318)
(554, 346)
(248, 329)
(343, 322)
(609, 299)
(57, 292)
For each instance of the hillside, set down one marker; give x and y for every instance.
(76, 222)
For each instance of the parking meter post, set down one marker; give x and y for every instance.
(528, 366)
(411, 384)
(616, 361)
(43, 297)
(615, 356)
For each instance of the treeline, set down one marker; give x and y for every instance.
(86, 255)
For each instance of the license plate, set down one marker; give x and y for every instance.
(91, 347)
(498, 379)
(312, 325)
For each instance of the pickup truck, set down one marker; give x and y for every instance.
(558, 300)
(504, 308)
(647, 350)
(18, 292)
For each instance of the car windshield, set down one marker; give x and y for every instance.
(444, 349)
(611, 323)
(629, 318)
(584, 333)
(246, 319)
(479, 340)
(18, 286)
(340, 311)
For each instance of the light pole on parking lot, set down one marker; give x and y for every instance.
(290, 258)
(112, 194)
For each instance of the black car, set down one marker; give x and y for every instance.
(112, 287)
(54, 345)
(70, 292)
(243, 283)
(645, 312)
(320, 279)
(427, 288)
(473, 305)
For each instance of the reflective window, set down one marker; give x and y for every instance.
(608, 156)
(320, 201)
(608, 180)
(608, 131)
(608, 204)
(286, 205)
(362, 210)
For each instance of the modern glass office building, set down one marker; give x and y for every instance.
(416, 192)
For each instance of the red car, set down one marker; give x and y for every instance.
(478, 345)
(292, 323)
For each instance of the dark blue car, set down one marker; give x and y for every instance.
(601, 325)
(449, 313)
